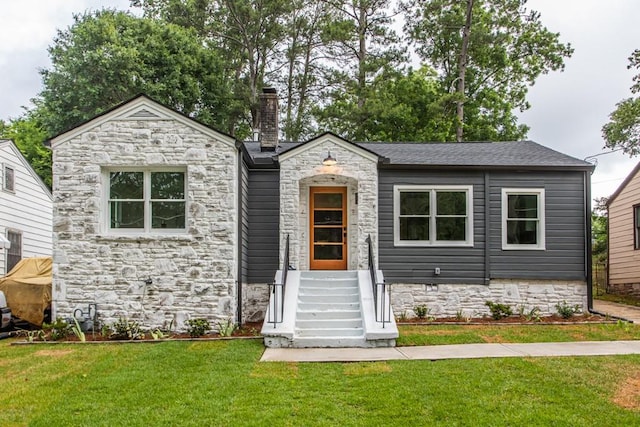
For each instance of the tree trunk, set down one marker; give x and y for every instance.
(462, 69)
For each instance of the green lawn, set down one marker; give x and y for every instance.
(222, 383)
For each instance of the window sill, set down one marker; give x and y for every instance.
(433, 245)
(524, 248)
(144, 237)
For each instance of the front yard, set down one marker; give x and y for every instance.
(223, 383)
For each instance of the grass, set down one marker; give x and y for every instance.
(470, 334)
(221, 383)
(621, 299)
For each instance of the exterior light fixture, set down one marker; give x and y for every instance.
(329, 160)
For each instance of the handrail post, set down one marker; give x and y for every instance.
(278, 309)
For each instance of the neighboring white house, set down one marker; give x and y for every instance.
(25, 210)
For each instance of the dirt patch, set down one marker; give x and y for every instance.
(53, 353)
(628, 394)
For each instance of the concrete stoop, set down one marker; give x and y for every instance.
(328, 314)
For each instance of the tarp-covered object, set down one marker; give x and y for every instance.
(28, 289)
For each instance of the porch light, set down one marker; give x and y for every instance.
(329, 160)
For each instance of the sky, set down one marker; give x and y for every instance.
(568, 108)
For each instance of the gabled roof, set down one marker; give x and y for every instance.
(515, 154)
(12, 146)
(328, 137)
(140, 107)
(623, 185)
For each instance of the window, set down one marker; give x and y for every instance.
(636, 227)
(523, 218)
(433, 215)
(9, 179)
(14, 253)
(146, 201)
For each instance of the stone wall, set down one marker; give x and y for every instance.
(255, 300)
(354, 170)
(469, 300)
(160, 278)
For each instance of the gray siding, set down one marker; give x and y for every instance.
(417, 264)
(244, 225)
(264, 223)
(564, 256)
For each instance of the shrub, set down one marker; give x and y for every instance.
(498, 311)
(421, 311)
(125, 329)
(58, 330)
(567, 311)
(226, 329)
(197, 327)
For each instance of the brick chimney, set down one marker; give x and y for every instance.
(268, 119)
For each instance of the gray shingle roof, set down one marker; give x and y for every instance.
(470, 154)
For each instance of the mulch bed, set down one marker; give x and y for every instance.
(511, 320)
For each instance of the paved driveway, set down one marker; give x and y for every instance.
(623, 311)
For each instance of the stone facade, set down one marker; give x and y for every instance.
(255, 300)
(356, 170)
(157, 278)
(469, 300)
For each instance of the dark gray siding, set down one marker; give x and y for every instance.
(264, 225)
(244, 225)
(565, 229)
(417, 264)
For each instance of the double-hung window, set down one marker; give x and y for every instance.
(523, 224)
(433, 215)
(14, 253)
(146, 200)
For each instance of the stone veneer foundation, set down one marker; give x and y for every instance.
(156, 279)
(469, 300)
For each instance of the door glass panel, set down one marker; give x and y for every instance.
(333, 235)
(327, 218)
(327, 251)
(327, 200)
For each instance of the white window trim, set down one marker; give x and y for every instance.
(105, 215)
(432, 189)
(541, 245)
(4, 178)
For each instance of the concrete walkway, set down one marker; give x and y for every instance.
(460, 351)
(623, 311)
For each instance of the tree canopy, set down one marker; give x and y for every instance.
(623, 129)
(107, 57)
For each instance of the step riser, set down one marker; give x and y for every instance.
(328, 299)
(329, 323)
(328, 315)
(328, 291)
(304, 306)
(311, 333)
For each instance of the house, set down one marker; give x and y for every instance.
(623, 276)
(160, 218)
(25, 210)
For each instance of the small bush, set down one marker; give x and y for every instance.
(197, 327)
(498, 311)
(421, 311)
(125, 329)
(226, 329)
(57, 330)
(567, 311)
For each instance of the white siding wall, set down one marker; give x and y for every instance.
(27, 210)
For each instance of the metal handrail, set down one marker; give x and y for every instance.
(274, 287)
(383, 311)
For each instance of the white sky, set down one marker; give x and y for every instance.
(568, 109)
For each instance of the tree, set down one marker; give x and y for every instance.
(28, 135)
(362, 45)
(107, 57)
(623, 129)
(400, 107)
(491, 51)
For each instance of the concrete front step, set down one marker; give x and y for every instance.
(319, 299)
(329, 332)
(328, 314)
(328, 342)
(328, 323)
(320, 291)
(324, 306)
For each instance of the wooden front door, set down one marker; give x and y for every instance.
(328, 214)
